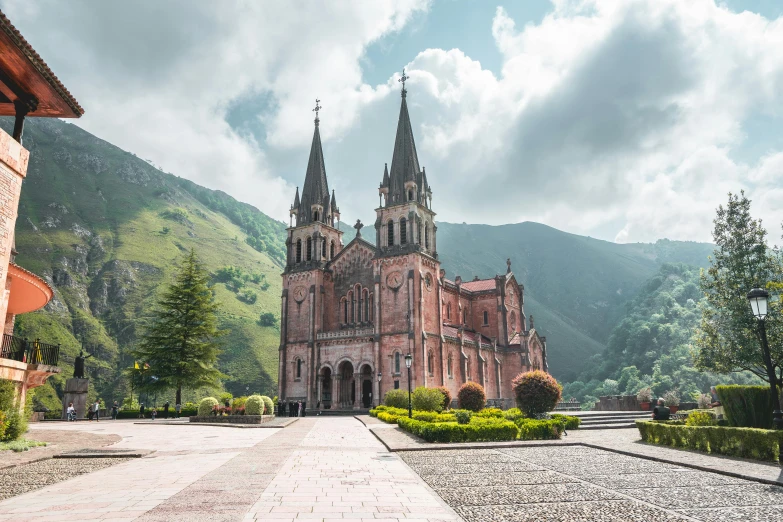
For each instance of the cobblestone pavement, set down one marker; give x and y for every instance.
(572, 483)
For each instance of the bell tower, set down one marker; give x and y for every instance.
(405, 221)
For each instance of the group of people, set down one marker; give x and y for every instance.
(662, 412)
(94, 411)
(293, 409)
(154, 412)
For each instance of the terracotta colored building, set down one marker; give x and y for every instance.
(27, 88)
(350, 313)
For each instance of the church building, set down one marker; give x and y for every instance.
(351, 313)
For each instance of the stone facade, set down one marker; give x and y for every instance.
(350, 313)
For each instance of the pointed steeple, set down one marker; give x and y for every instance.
(316, 189)
(333, 203)
(296, 199)
(405, 161)
(385, 182)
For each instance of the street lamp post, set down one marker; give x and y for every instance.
(759, 298)
(408, 362)
(379, 389)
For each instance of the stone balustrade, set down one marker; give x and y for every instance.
(341, 334)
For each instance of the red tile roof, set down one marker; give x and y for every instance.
(480, 285)
(453, 331)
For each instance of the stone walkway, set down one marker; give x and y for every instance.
(335, 468)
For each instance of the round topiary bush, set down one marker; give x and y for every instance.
(427, 399)
(206, 405)
(396, 399)
(471, 396)
(536, 392)
(269, 406)
(254, 405)
(446, 396)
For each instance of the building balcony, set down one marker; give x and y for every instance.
(346, 333)
(29, 292)
(30, 352)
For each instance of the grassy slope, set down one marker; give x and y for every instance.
(92, 221)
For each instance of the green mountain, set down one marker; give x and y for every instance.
(106, 229)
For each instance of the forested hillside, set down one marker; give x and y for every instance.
(651, 345)
(106, 229)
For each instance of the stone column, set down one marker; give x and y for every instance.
(320, 388)
(357, 398)
(336, 391)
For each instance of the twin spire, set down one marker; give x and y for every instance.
(405, 182)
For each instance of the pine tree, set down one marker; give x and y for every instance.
(180, 342)
(728, 336)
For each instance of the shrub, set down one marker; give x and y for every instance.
(254, 405)
(206, 406)
(534, 429)
(571, 422)
(471, 396)
(239, 402)
(700, 418)
(513, 414)
(671, 398)
(490, 413)
(269, 405)
(446, 396)
(225, 398)
(750, 443)
(481, 430)
(704, 401)
(746, 406)
(396, 399)
(431, 416)
(644, 395)
(2, 424)
(536, 392)
(462, 416)
(427, 399)
(15, 425)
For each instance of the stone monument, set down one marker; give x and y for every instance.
(76, 393)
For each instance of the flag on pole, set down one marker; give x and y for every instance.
(135, 365)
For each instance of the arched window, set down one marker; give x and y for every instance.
(429, 363)
(448, 311)
(299, 368)
(410, 195)
(465, 316)
(315, 216)
(403, 231)
(331, 254)
(309, 248)
(397, 362)
(366, 306)
(372, 307)
(298, 250)
(390, 232)
(350, 300)
(486, 318)
(345, 310)
(323, 248)
(448, 367)
(359, 308)
(426, 237)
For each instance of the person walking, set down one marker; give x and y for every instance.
(166, 410)
(70, 412)
(115, 408)
(96, 408)
(178, 409)
(299, 408)
(141, 410)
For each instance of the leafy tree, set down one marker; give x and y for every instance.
(180, 342)
(728, 335)
(267, 319)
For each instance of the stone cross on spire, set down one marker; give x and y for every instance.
(403, 79)
(508, 264)
(317, 108)
(358, 226)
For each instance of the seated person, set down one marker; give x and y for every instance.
(660, 412)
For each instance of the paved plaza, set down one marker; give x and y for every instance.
(334, 468)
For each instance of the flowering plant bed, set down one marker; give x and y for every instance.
(232, 419)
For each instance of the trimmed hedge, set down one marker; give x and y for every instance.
(471, 396)
(269, 405)
(532, 429)
(746, 406)
(571, 422)
(488, 430)
(431, 416)
(749, 443)
(490, 413)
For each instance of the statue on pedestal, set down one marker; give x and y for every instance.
(78, 365)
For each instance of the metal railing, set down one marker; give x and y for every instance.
(31, 352)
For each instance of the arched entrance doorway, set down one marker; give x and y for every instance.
(366, 386)
(347, 392)
(326, 388)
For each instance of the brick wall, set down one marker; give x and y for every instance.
(13, 168)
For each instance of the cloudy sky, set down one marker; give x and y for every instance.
(627, 120)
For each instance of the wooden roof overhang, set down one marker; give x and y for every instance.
(28, 87)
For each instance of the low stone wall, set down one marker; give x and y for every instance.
(617, 403)
(233, 419)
